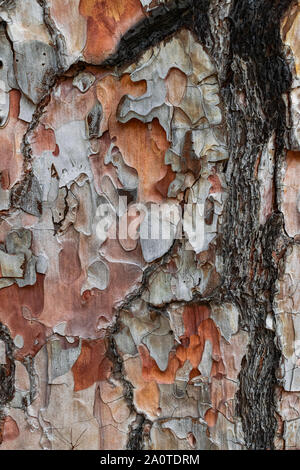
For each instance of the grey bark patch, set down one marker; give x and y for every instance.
(27, 195)
(35, 66)
(83, 81)
(93, 121)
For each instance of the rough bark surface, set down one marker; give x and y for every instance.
(137, 342)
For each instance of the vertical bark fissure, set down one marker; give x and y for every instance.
(253, 68)
(56, 36)
(136, 431)
(7, 374)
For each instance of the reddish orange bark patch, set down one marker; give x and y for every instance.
(199, 328)
(55, 153)
(176, 82)
(147, 397)
(4, 179)
(143, 146)
(163, 185)
(14, 104)
(19, 309)
(69, 262)
(107, 21)
(193, 315)
(81, 312)
(211, 417)
(11, 430)
(151, 371)
(92, 364)
(110, 90)
(44, 139)
(216, 184)
(11, 159)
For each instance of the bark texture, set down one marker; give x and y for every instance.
(137, 342)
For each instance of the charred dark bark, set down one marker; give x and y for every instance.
(7, 374)
(255, 69)
(162, 22)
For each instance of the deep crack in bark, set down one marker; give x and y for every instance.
(254, 65)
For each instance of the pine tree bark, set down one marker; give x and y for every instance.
(113, 336)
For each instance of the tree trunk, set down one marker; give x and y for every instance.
(149, 224)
